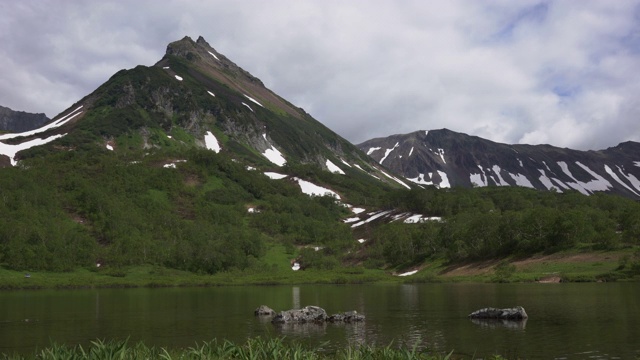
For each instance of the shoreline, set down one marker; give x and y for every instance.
(555, 268)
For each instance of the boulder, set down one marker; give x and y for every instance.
(305, 315)
(312, 314)
(264, 310)
(516, 313)
(347, 317)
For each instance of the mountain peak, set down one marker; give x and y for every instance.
(181, 47)
(202, 41)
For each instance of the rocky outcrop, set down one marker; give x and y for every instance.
(516, 313)
(308, 314)
(20, 121)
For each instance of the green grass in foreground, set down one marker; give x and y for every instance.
(254, 349)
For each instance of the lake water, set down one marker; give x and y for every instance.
(566, 321)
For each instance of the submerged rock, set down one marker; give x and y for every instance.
(264, 310)
(516, 313)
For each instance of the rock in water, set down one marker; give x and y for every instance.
(264, 310)
(348, 317)
(516, 313)
(305, 315)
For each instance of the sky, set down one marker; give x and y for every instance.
(565, 73)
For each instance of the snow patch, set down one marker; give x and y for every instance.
(315, 190)
(411, 151)
(547, 182)
(109, 147)
(413, 219)
(214, 55)
(211, 142)
(496, 170)
(250, 168)
(371, 150)
(12, 150)
(333, 167)
(63, 120)
(249, 107)
(388, 151)
(616, 178)
(441, 153)
(165, 67)
(632, 179)
(444, 184)
(275, 156)
(521, 180)
(409, 273)
(346, 163)
(420, 179)
(252, 100)
(296, 266)
(210, 93)
(520, 161)
(636, 163)
(179, 78)
(479, 179)
(357, 210)
(586, 188)
(395, 179)
(371, 218)
(362, 241)
(350, 220)
(275, 175)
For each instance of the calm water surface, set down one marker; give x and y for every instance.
(566, 321)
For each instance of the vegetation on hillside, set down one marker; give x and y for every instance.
(490, 223)
(78, 209)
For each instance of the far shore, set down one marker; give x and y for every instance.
(602, 266)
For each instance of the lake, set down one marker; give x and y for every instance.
(566, 321)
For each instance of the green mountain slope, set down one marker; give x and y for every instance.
(165, 165)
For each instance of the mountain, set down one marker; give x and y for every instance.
(194, 97)
(445, 158)
(20, 121)
(191, 163)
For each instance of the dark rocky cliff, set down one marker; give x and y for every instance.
(446, 158)
(20, 121)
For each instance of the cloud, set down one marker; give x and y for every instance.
(553, 72)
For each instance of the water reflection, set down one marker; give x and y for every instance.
(498, 323)
(295, 294)
(301, 330)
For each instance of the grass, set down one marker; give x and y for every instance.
(274, 269)
(252, 349)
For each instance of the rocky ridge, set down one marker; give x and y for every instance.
(444, 158)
